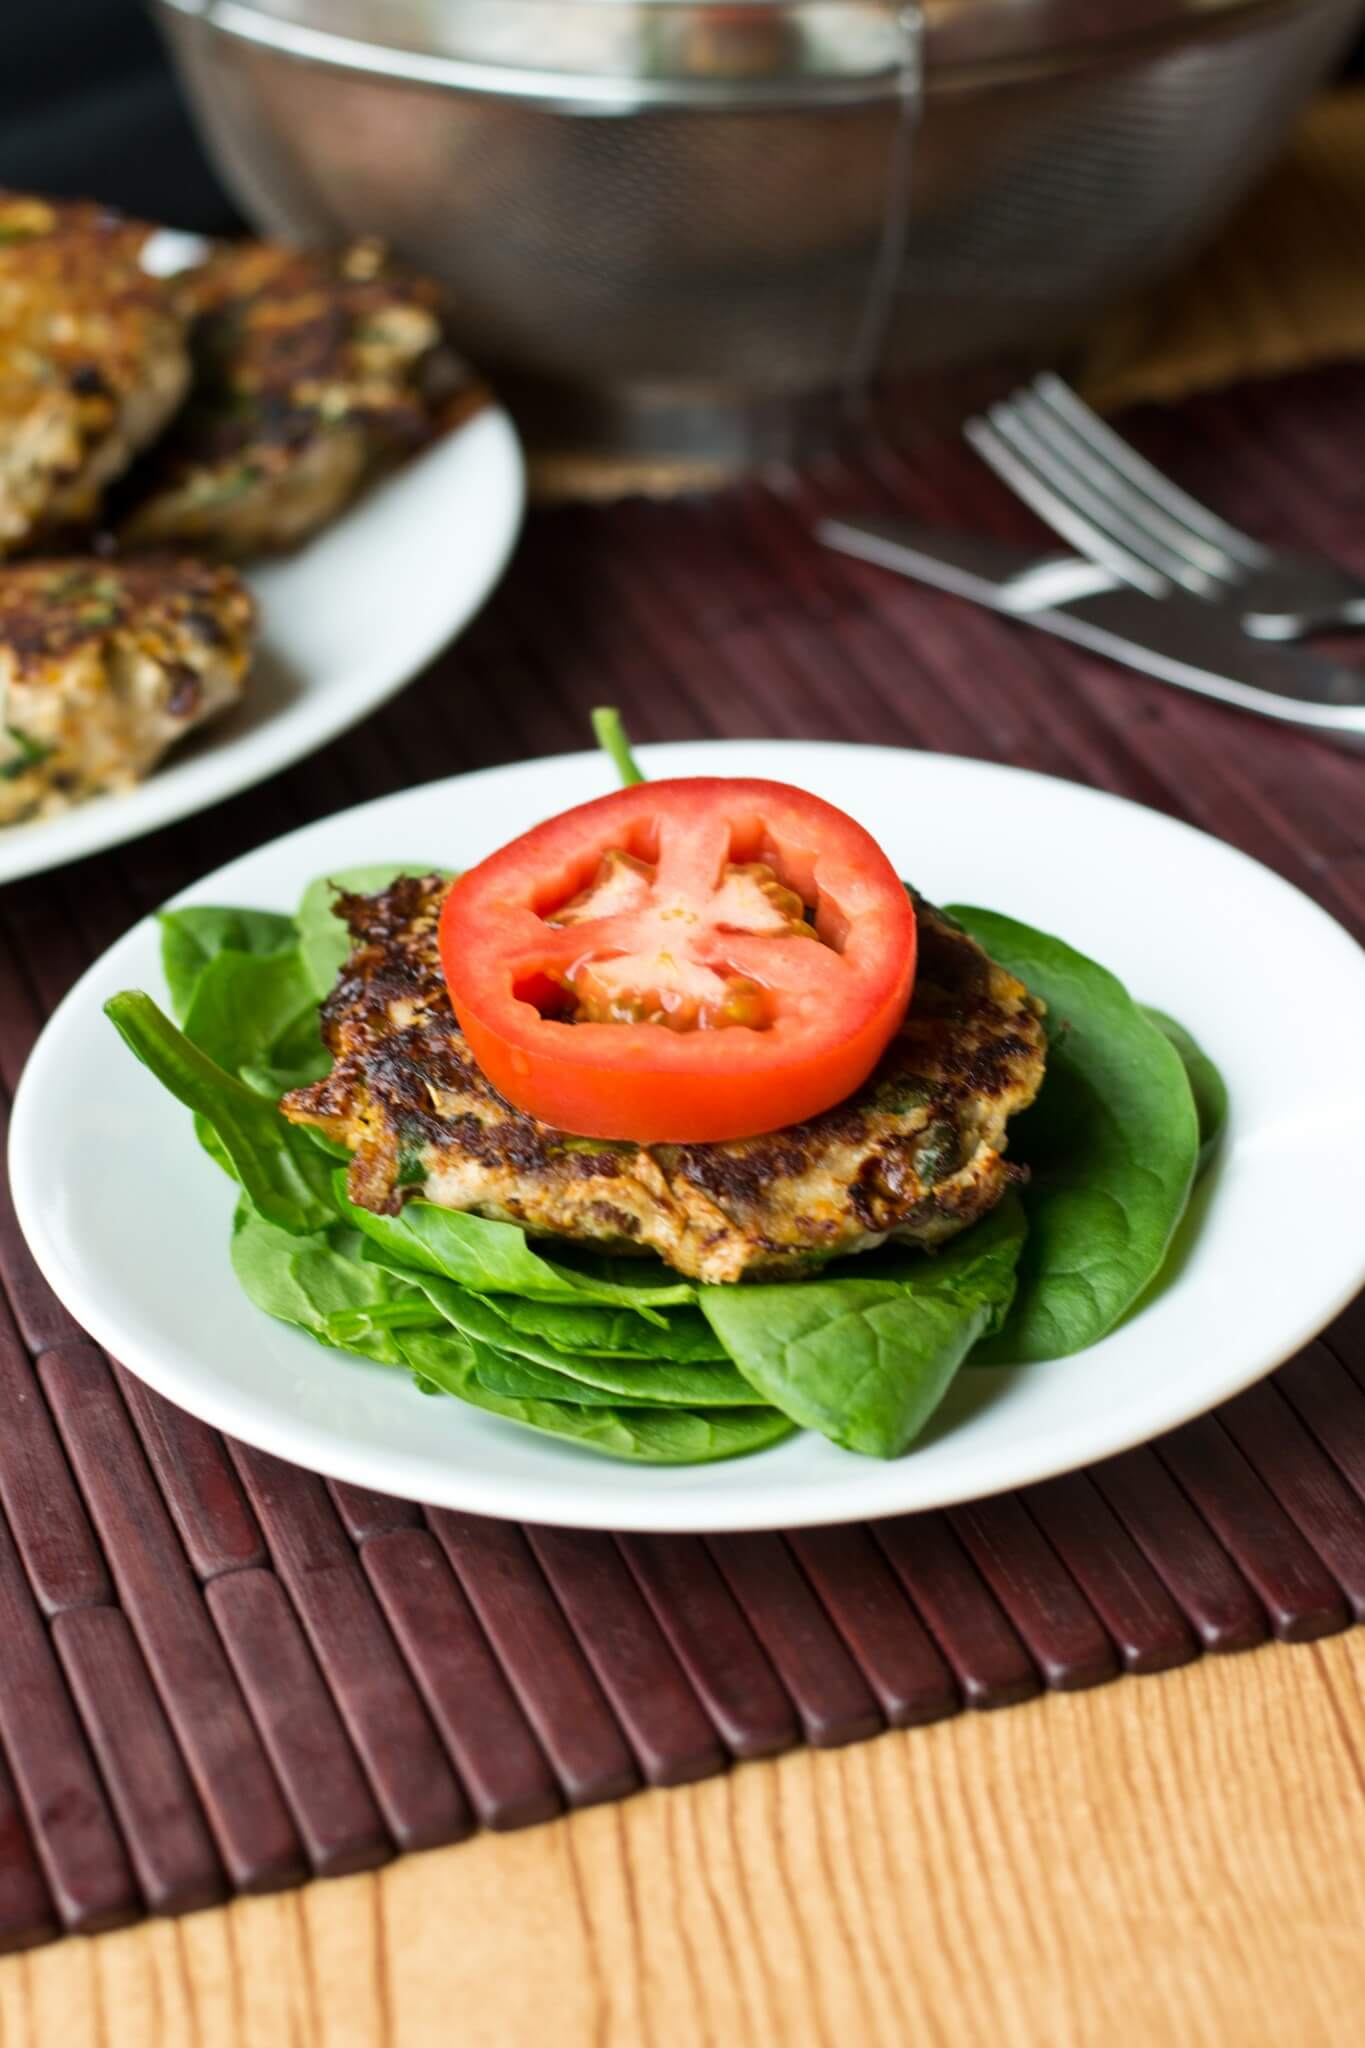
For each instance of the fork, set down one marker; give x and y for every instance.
(1096, 491)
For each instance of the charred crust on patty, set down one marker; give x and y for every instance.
(103, 667)
(50, 608)
(313, 371)
(93, 361)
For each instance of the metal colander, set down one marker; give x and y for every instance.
(669, 225)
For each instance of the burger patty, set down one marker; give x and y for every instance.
(915, 1155)
(312, 372)
(103, 665)
(92, 360)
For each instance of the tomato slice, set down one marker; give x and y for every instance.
(681, 961)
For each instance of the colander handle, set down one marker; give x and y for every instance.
(869, 341)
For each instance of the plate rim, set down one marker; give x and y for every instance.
(568, 1503)
(104, 822)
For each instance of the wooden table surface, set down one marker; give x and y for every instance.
(1173, 1859)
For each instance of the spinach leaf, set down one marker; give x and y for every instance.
(343, 1326)
(312, 1281)
(1111, 1145)
(323, 939)
(287, 1178)
(519, 1380)
(1206, 1083)
(246, 1006)
(683, 1338)
(658, 1380)
(495, 1258)
(866, 1361)
(655, 1436)
(647, 1387)
(191, 937)
(274, 1081)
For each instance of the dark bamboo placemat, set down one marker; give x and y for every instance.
(219, 1674)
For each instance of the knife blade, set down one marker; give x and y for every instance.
(1175, 638)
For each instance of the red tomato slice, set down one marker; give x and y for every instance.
(681, 961)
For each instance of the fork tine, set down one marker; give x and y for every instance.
(1058, 511)
(1175, 542)
(1122, 456)
(1043, 455)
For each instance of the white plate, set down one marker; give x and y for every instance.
(344, 623)
(129, 1221)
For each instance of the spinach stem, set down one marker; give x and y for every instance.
(610, 734)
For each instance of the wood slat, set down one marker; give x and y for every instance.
(988, 1659)
(251, 1825)
(1346, 1339)
(50, 950)
(892, 1648)
(26, 1911)
(327, 1791)
(1143, 1621)
(1304, 1481)
(544, 1664)
(421, 1799)
(831, 1695)
(659, 1713)
(1057, 1624)
(476, 1713)
(715, 1645)
(1182, 1550)
(69, 1823)
(163, 1826)
(64, 1563)
(365, 1513)
(1295, 1587)
(40, 1316)
(197, 1481)
(1323, 1394)
(23, 1012)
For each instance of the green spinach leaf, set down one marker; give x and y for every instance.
(495, 1258)
(274, 1081)
(287, 1179)
(1111, 1145)
(519, 1380)
(246, 1008)
(660, 1380)
(191, 937)
(683, 1337)
(525, 1380)
(1206, 1083)
(654, 1436)
(866, 1361)
(312, 1281)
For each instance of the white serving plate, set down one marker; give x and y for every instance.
(129, 1221)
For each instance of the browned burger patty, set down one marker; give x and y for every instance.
(311, 373)
(916, 1154)
(104, 665)
(92, 360)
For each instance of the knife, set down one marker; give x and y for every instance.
(1174, 638)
